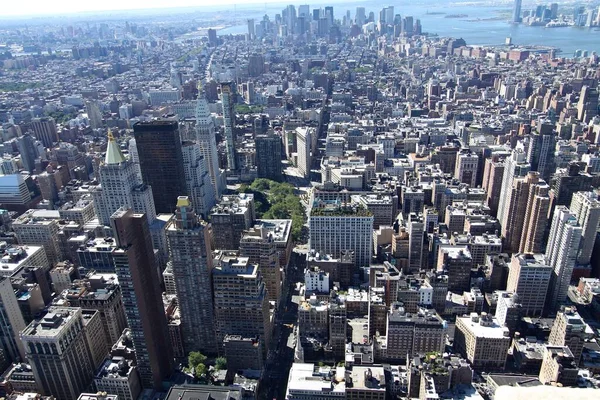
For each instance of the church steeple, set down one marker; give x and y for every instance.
(113, 151)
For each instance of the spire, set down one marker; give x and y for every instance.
(113, 151)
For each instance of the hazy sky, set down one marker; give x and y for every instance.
(35, 7)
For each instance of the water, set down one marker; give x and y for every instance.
(485, 25)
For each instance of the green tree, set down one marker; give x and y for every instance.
(220, 363)
(196, 358)
(200, 371)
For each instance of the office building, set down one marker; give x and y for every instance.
(456, 262)
(120, 186)
(587, 107)
(516, 17)
(243, 353)
(230, 218)
(142, 298)
(40, 227)
(309, 381)
(268, 157)
(482, 341)
(508, 310)
(118, 376)
(251, 29)
(161, 161)
(28, 152)
(228, 101)
(62, 348)
(102, 293)
(569, 329)
(14, 190)
(525, 222)
(561, 254)
(258, 245)
(304, 138)
(197, 178)
(466, 167)
(540, 154)
(336, 227)
(191, 264)
(409, 334)
(529, 278)
(44, 129)
(558, 367)
(241, 304)
(586, 207)
(514, 166)
(205, 137)
(492, 182)
(12, 322)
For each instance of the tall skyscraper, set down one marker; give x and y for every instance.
(192, 264)
(268, 157)
(517, 11)
(45, 131)
(28, 151)
(540, 154)
(197, 178)
(120, 186)
(205, 136)
(64, 348)
(561, 254)
(227, 99)
(526, 219)
(251, 29)
(12, 322)
(135, 266)
(587, 107)
(303, 144)
(586, 207)
(161, 161)
(514, 166)
(360, 17)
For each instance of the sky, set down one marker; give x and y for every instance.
(48, 7)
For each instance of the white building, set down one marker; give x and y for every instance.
(529, 276)
(120, 186)
(316, 280)
(561, 253)
(198, 179)
(205, 137)
(335, 227)
(303, 145)
(12, 322)
(586, 207)
(118, 376)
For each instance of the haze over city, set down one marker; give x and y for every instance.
(327, 201)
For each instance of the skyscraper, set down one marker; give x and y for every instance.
(241, 304)
(268, 156)
(142, 297)
(28, 151)
(192, 264)
(303, 144)
(526, 219)
(197, 178)
(64, 349)
(45, 131)
(360, 17)
(517, 11)
(561, 254)
(251, 29)
(161, 161)
(12, 321)
(514, 166)
(529, 278)
(205, 137)
(120, 186)
(228, 98)
(586, 207)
